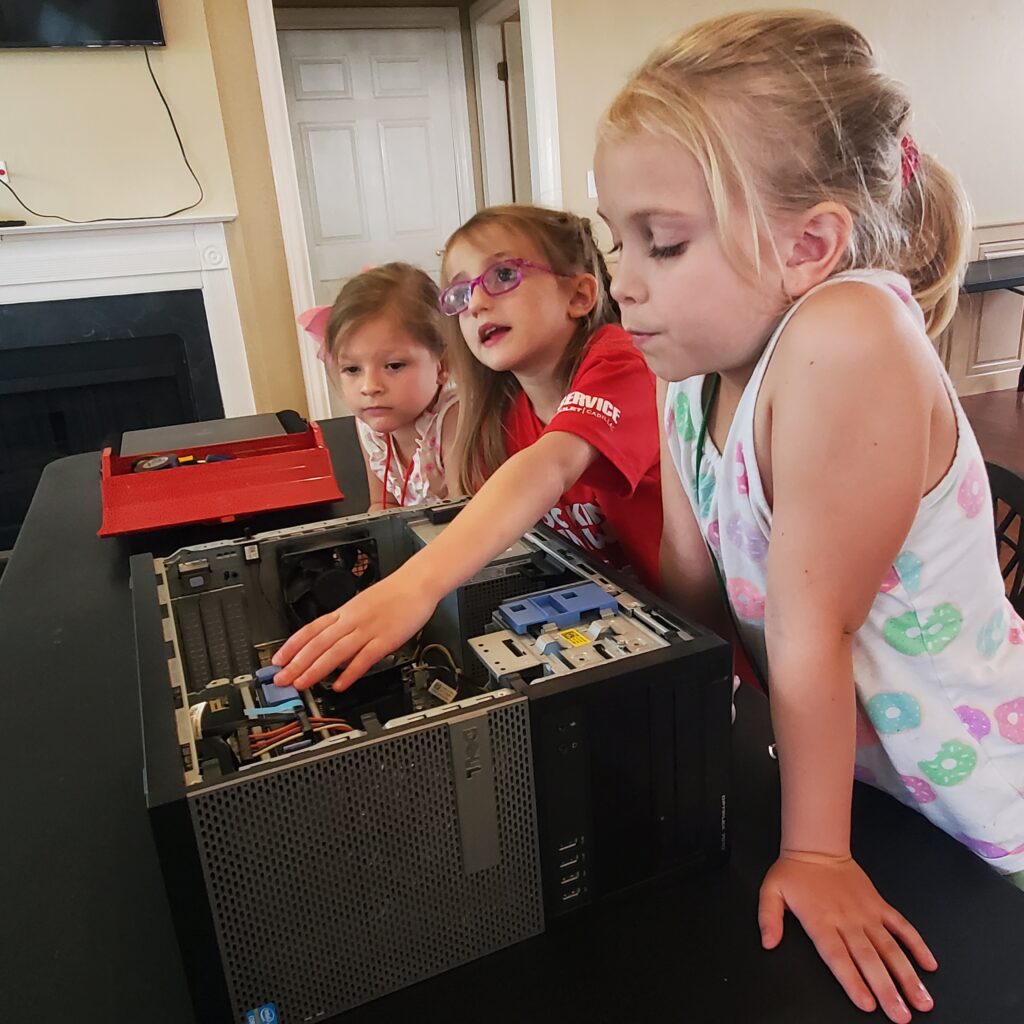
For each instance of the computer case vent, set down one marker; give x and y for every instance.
(379, 827)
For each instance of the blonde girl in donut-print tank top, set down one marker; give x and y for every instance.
(939, 662)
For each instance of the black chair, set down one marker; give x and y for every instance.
(1008, 504)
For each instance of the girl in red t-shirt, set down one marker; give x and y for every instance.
(557, 422)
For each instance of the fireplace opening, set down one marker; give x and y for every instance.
(76, 374)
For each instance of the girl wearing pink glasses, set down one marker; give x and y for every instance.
(557, 422)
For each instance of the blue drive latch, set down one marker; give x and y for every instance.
(564, 607)
(272, 693)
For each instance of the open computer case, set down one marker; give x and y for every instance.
(554, 735)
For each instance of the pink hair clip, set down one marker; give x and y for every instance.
(314, 323)
(910, 159)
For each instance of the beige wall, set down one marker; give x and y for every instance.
(97, 110)
(255, 244)
(961, 62)
(85, 135)
(89, 138)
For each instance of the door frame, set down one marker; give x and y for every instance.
(265, 22)
(486, 18)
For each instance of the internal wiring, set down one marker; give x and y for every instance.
(264, 742)
(444, 650)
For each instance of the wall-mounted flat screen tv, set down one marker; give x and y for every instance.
(45, 23)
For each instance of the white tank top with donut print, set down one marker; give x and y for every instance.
(939, 662)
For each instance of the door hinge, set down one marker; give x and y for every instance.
(502, 71)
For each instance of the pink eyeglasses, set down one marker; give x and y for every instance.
(497, 279)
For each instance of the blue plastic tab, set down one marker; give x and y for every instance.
(274, 694)
(275, 709)
(564, 607)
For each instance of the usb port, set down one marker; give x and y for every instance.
(571, 845)
(569, 879)
(571, 894)
(570, 862)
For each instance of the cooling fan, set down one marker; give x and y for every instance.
(317, 580)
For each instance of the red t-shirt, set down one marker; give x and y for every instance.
(614, 509)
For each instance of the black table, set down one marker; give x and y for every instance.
(998, 272)
(87, 930)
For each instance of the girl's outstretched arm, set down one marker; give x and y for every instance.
(687, 577)
(386, 615)
(850, 427)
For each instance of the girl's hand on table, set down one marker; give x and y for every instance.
(853, 929)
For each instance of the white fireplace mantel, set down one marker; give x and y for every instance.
(48, 263)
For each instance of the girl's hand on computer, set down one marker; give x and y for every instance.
(851, 926)
(357, 635)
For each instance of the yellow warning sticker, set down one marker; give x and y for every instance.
(574, 636)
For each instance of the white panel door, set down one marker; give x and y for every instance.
(371, 120)
(518, 125)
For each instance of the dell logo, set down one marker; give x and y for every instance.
(471, 752)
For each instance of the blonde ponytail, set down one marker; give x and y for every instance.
(934, 212)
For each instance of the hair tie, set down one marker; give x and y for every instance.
(314, 322)
(910, 159)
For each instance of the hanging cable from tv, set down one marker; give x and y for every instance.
(101, 220)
